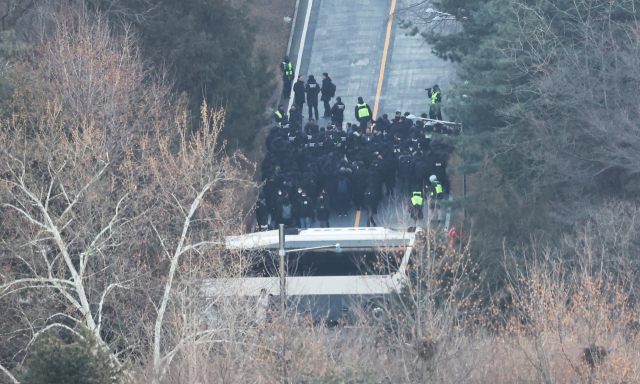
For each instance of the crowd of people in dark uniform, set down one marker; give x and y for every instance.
(310, 171)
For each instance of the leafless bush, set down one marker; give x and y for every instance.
(110, 203)
(580, 121)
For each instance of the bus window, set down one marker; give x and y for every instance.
(346, 263)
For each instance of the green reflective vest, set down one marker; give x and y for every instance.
(438, 188)
(363, 111)
(278, 114)
(417, 198)
(434, 97)
(287, 68)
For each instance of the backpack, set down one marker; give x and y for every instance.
(286, 211)
(332, 89)
(405, 163)
(342, 186)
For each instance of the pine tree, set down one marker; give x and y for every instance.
(208, 48)
(54, 361)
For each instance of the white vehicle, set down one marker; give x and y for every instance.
(328, 270)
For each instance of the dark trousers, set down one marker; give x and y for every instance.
(363, 122)
(327, 108)
(337, 121)
(404, 184)
(358, 199)
(435, 112)
(313, 107)
(390, 184)
(286, 89)
(371, 222)
(344, 201)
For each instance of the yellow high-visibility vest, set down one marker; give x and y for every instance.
(434, 97)
(417, 198)
(438, 188)
(278, 114)
(287, 68)
(363, 111)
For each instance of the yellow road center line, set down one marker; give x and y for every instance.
(385, 51)
(384, 59)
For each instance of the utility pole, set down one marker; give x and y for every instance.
(283, 277)
(283, 300)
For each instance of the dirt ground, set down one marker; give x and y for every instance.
(273, 31)
(272, 39)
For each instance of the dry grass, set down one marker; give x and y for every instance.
(273, 32)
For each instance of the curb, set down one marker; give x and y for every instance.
(293, 26)
(293, 29)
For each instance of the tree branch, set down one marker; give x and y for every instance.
(9, 375)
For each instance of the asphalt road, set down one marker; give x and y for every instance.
(348, 40)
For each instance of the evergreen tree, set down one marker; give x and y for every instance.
(208, 48)
(544, 90)
(53, 361)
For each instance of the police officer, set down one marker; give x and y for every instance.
(435, 194)
(279, 116)
(337, 112)
(436, 98)
(311, 128)
(295, 118)
(286, 214)
(287, 77)
(305, 210)
(299, 93)
(371, 204)
(328, 92)
(363, 112)
(312, 89)
(416, 207)
(262, 214)
(323, 211)
(343, 196)
(404, 172)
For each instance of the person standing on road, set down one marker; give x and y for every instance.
(343, 198)
(299, 93)
(416, 207)
(328, 92)
(435, 111)
(262, 214)
(287, 77)
(280, 116)
(312, 89)
(404, 172)
(363, 112)
(295, 118)
(435, 194)
(371, 204)
(337, 113)
(286, 214)
(306, 210)
(323, 211)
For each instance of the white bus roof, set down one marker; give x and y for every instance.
(317, 237)
(304, 285)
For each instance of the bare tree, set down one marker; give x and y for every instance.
(569, 321)
(426, 323)
(579, 124)
(105, 190)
